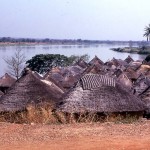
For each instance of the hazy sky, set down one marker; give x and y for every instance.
(74, 19)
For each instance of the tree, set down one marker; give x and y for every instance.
(76, 58)
(147, 32)
(16, 63)
(44, 62)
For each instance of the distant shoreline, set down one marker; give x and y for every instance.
(145, 50)
(8, 41)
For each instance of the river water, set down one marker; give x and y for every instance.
(102, 51)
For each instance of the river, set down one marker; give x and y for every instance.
(102, 51)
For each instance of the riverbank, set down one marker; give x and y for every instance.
(134, 50)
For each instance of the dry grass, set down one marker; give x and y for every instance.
(43, 114)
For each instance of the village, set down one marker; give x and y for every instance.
(82, 92)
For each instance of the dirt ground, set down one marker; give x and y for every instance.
(86, 136)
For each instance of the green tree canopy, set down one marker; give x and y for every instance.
(44, 62)
(147, 32)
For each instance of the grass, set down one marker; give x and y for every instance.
(43, 114)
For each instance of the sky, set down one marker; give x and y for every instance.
(75, 19)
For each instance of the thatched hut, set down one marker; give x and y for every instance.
(141, 85)
(95, 69)
(100, 94)
(135, 65)
(6, 81)
(129, 59)
(145, 96)
(117, 72)
(65, 77)
(96, 61)
(124, 80)
(81, 63)
(144, 69)
(119, 62)
(29, 89)
(131, 74)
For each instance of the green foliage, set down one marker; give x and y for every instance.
(147, 58)
(147, 32)
(43, 62)
(76, 58)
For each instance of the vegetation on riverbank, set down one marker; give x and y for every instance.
(136, 50)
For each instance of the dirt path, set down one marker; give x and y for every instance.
(107, 136)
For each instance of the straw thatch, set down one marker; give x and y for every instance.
(29, 89)
(81, 63)
(96, 61)
(144, 69)
(119, 62)
(102, 96)
(145, 96)
(65, 77)
(135, 65)
(7, 81)
(56, 78)
(141, 85)
(124, 80)
(129, 59)
(117, 73)
(131, 74)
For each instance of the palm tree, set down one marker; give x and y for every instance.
(147, 32)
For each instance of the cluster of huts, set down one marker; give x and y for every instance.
(114, 87)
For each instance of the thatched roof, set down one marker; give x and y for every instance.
(132, 74)
(143, 69)
(119, 62)
(29, 89)
(117, 72)
(81, 63)
(56, 78)
(124, 80)
(129, 59)
(135, 65)
(7, 80)
(96, 61)
(103, 96)
(141, 84)
(65, 77)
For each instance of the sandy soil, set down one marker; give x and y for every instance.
(106, 136)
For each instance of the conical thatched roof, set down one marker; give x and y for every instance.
(81, 63)
(29, 89)
(124, 80)
(66, 77)
(145, 96)
(132, 74)
(7, 80)
(56, 78)
(117, 72)
(135, 65)
(119, 62)
(141, 84)
(143, 69)
(96, 61)
(129, 59)
(98, 93)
